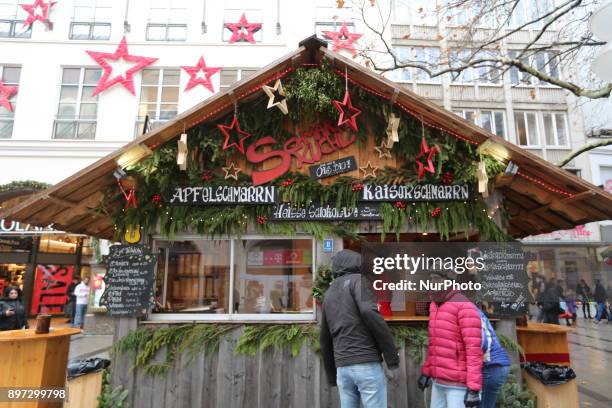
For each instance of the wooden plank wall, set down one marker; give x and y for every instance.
(268, 380)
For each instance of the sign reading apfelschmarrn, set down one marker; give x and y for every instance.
(220, 195)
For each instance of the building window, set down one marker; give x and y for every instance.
(488, 72)
(545, 62)
(229, 76)
(159, 97)
(429, 57)
(10, 77)
(491, 120)
(555, 129)
(526, 129)
(525, 11)
(237, 278)
(78, 110)
(469, 14)
(92, 20)
(167, 20)
(12, 16)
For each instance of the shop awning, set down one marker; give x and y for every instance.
(540, 196)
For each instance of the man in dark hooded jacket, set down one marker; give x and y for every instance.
(354, 335)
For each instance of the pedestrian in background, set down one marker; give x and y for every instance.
(454, 355)
(70, 307)
(583, 291)
(12, 312)
(600, 297)
(495, 363)
(549, 303)
(354, 335)
(81, 291)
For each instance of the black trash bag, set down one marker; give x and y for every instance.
(549, 374)
(91, 365)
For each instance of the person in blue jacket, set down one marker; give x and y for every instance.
(495, 366)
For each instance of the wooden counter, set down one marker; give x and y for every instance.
(34, 360)
(544, 342)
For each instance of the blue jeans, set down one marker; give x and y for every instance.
(364, 382)
(493, 377)
(447, 396)
(79, 316)
(601, 307)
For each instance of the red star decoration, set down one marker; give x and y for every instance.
(243, 30)
(39, 10)
(228, 131)
(347, 109)
(196, 72)
(6, 92)
(430, 152)
(342, 39)
(106, 81)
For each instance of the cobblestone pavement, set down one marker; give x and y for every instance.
(591, 357)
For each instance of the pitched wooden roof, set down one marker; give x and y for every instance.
(541, 197)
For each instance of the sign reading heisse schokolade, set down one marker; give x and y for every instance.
(415, 192)
(215, 195)
(325, 212)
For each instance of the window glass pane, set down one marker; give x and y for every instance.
(80, 31)
(71, 76)
(66, 110)
(549, 132)
(246, 72)
(169, 94)
(10, 75)
(499, 124)
(167, 111)
(532, 128)
(158, 15)
(273, 276)
(88, 111)
(101, 32)
(69, 94)
(92, 76)
(561, 129)
(470, 116)
(87, 94)
(521, 128)
(20, 31)
(228, 76)
(104, 14)
(148, 94)
(148, 109)
(486, 120)
(83, 13)
(553, 65)
(150, 77)
(86, 130)
(156, 33)
(198, 277)
(171, 77)
(5, 28)
(6, 129)
(64, 130)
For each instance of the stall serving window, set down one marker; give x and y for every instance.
(252, 278)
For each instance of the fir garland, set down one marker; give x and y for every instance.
(309, 93)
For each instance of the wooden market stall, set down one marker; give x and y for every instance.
(244, 199)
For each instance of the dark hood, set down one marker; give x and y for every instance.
(346, 261)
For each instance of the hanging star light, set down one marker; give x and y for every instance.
(393, 123)
(231, 171)
(348, 113)
(234, 134)
(430, 152)
(243, 30)
(277, 96)
(39, 10)
(342, 39)
(200, 74)
(383, 150)
(121, 55)
(368, 170)
(6, 93)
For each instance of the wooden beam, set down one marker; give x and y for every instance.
(60, 201)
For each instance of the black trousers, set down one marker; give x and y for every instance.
(586, 309)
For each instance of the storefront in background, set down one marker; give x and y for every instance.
(41, 262)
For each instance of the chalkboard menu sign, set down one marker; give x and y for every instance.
(129, 279)
(505, 283)
(333, 168)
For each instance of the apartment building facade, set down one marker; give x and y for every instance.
(59, 126)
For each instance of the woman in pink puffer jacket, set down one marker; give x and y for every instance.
(454, 355)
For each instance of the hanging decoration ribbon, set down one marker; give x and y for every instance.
(483, 179)
(130, 195)
(181, 156)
